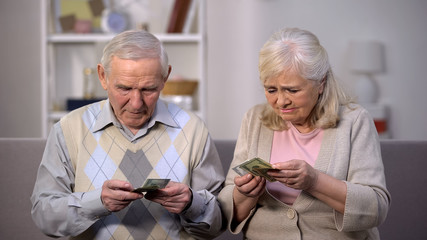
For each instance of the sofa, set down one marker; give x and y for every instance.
(405, 168)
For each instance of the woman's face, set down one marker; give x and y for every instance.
(293, 98)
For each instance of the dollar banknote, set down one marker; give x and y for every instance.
(152, 184)
(256, 166)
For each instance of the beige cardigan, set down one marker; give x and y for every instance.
(350, 152)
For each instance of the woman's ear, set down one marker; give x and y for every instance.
(322, 85)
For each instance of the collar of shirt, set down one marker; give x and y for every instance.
(107, 117)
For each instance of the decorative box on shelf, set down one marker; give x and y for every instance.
(180, 92)
(180, 87)
(74, 103)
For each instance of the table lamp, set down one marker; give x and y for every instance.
(366, 59)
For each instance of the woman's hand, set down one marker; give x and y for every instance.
(249, 185)
(246, 192)
(296, 174)
(300, 175)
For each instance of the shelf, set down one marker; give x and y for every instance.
(56, 115)
(65, 55)
(88, 38)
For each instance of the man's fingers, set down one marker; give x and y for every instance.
(115, 184)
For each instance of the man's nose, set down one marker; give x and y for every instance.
(136, 99)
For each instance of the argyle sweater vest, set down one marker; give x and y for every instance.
(165, 152)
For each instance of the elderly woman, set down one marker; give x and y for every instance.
(324, 149)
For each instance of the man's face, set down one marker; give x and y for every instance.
(133, 88)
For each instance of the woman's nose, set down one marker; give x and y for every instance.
(283, 99)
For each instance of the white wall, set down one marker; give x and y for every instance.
(237, 29)
(20, 69)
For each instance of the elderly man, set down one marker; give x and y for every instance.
(97, 155)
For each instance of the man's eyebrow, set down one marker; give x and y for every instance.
(121, 85)
(151, 87)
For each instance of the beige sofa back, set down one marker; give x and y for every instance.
(405, 164)
(20, 159)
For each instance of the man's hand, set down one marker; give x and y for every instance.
(116, 195)
(175, 197)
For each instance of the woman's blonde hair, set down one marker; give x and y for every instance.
(293, 49)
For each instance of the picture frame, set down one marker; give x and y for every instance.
(77, 16)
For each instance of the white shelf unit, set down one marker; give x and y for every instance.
(65, 55)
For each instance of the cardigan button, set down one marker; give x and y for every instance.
(291, 213)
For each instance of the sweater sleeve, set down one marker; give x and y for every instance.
(56, 209)
(367, 200)
(240, 155)
(203, 218)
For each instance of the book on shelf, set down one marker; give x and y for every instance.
(178, 16)
(191, 16)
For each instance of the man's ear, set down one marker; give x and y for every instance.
(102, 76)
(169, 72)
(166, 78)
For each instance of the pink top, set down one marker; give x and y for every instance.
(291, 144)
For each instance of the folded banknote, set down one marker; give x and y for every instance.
(256, 166)
(152, 184)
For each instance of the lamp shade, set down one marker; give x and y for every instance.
(366, 57)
